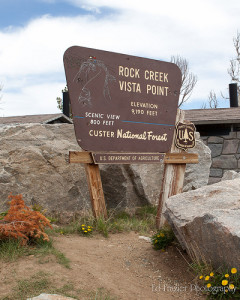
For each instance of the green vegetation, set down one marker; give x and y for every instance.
(29, 287)
(162, 239)
(12, 249)
(102, 294)
(45, 248)
(220, 284)
(142, 221)
(41, 282)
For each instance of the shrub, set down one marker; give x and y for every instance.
(162, 239)
(85, 230)
(22, 223)
(222, 285)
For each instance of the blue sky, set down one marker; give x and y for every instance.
(35, 33)
(18, 13)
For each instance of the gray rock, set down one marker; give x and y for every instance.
(150, 177)
(122, 187)
(213, 180)
(34, 162)
(215, 140)
(216, 172)
(231, 135)
(50, 297)
(225, 162)
(230, 175)
(230, 146)
(207, 222)
(197, 175)
(216, 149)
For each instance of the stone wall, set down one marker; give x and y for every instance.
(225, 152)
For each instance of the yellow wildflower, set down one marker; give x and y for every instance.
(207, 278)
(233, 270)
(224, 282)
(231, 286)
(162, 234)
(226, 290)
(85, 230)
(211, 274)
(209, 285)
(200, 277)
(226, 275)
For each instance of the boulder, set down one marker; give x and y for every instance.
(122, 187)
(207, 222)
(50, 297)
(34, 162)
(229, 175)
(197, 175)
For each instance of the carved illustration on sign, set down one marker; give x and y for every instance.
(89, 71)
(185, 135)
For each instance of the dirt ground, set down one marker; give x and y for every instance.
(124, 265)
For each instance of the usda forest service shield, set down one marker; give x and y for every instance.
(185, 137)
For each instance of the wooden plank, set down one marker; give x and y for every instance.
(181, 158)
(173, 178)
(127, 158)
(170, 158)
(96, 191)
(80, 157)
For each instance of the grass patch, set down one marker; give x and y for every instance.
(142, 221)
(30, 287)
(38, 284)
(102, 294)
(46, 248)
(41, 283)
(11, 250)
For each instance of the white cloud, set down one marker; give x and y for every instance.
(33, 99)
(200, 31)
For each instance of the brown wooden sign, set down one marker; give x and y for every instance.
(185, 135)
(122, 103)
(128, 158)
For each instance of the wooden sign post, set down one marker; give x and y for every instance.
(124, 111)
(173, 177)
